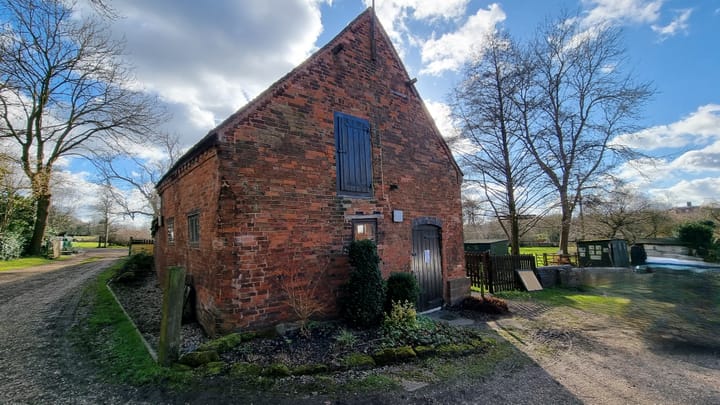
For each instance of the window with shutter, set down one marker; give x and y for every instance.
(353, 156)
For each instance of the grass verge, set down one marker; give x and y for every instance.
(114, 344)
(589, 301)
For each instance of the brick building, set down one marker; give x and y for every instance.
(341, 148)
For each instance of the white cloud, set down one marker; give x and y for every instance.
(677, 25)
(441, 114)
(699, 128)
(394, 14)
(698, 191)
(206, 59)
(451, 50)
(621, 11)
(691, 176)
(700, 160)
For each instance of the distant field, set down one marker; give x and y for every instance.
(25, 262)
(91, 245)
(85, 245)
(539, 250)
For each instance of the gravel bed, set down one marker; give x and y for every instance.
(142, 299)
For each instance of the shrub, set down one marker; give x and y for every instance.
(488, 305)
(400, 324)
(140, 262)
(697, 236)
(401, 287)
(11, 246)
(402, 315)
(135, 267)
(345, 338)
(364, 295)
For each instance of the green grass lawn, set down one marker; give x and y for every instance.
(675, 307)
(93, 245)
(25, 262)
(539, 250)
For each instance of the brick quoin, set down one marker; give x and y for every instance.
(264, 186)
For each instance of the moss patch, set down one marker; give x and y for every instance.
(455, 349)
(245, 369)
(223, 344)
(310, 369)
(211, 369)
(424, 351)
(394, 355)
(199, 358)
(277, 370)
(373, 383)
(358, 360)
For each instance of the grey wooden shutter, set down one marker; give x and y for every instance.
(354, 155)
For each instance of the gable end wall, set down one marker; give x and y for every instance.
(279, 217)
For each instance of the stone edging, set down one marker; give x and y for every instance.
(149, 348)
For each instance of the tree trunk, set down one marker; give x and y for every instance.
(565, 227)
(515, 234)
(41, 215)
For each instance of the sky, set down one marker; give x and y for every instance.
(205, 60)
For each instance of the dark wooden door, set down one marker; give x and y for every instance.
(427, 266)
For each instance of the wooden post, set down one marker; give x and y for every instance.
(173, 294)
(489, 272)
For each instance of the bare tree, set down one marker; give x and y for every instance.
(713, 211)
(63, 88)
(488, 108)
(132, 172)
(471, 208)
(620, 211)
(583, 101)
(105, 209)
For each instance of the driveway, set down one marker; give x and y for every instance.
(37, 308)
(603, 359)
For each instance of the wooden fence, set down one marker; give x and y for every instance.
(556, 259)
(497, 273)
(141, 245)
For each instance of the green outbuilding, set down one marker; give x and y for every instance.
(497, 247)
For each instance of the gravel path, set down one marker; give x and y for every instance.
(37, 308)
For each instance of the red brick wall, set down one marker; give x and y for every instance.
(279, 216)
(195, 189)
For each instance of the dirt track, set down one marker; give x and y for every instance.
(602, 360)
(37, 308)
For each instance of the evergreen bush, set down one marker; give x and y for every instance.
(11, 245)
(135, 268)
(364, 296)
(401, 287)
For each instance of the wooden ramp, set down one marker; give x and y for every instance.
(529, 280)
